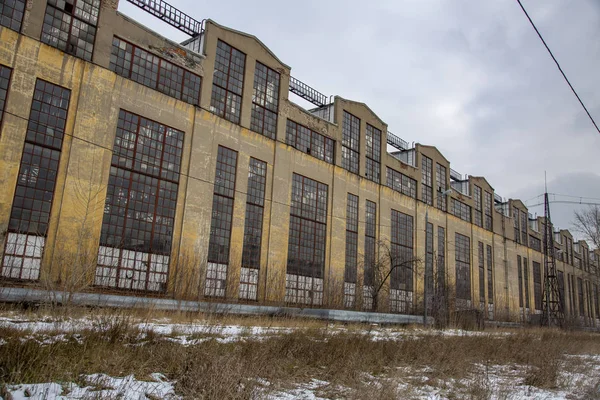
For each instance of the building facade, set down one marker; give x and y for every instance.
(134, 164)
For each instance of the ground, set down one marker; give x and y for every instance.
(73, 353)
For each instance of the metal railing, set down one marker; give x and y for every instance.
(396, 142)
(497, 198)
(171, 15)
(307, 93)
(455, 175)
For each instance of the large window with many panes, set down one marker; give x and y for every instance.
(373, 148)
(265, 101)
(139, 213)
(70, 25)
(526, 281)
(5, 74)
(220, 224)
(461, 210)
(369, 267)
(517, 230)
(351, 250)
(402, 262)
(350, 142)
(580, 302)
(30, 213)
(441, 264)
(488, 207)
(463, 268)
(561, 290)
(228, 82)
(134, 63)
(11, 14)
(309, 141)
(524, 224)
(537, 285)
(478, 212)
(255, 203)
(490, 274)
(307, 239)
(427, 180)
(520, 280)
(401, 183)
(429, 256)
(481, 263)
(440, 178)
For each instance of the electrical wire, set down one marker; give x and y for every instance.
(559, 67)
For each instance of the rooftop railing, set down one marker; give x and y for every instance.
(396, 142)
(455, 175)
(301, 89)
(497, 198)
(171, 15)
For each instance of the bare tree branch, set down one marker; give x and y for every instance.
(587, 222)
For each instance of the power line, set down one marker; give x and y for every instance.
(559, 68)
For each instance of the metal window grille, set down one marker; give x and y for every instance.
(481, 261)
(11, 14)
(257, 177)
(580, 297)
(265, 101)
(427, 180)
(228, 82)
(350, 142)
(429, 282)
(139, 213)
(441, 262)
(5, 74)
(310, 142)
(373, 156)
(524, 225)
(535, 243)
(401, 183)
(351, 238)
(463, 267)
(490, 274)
(137, 64)
(70, 26)
(307, 240)
(370, 237)
(401, 277)
(488, 207)
(441, 178)
(478, 213)
(221, 220)
(461, 210)
(596, 301)
(526, 281)
(34, 192)
(520, 278)
(561, 289)
(516, 222)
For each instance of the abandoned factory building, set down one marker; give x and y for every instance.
(136, 165)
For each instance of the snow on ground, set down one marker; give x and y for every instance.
(50, 330)
(98, 386)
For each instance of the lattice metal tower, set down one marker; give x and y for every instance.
(553, 313)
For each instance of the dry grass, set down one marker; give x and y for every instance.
(348, 359)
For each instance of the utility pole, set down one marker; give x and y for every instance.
(553, 313)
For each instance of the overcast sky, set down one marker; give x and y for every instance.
(470, 77)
